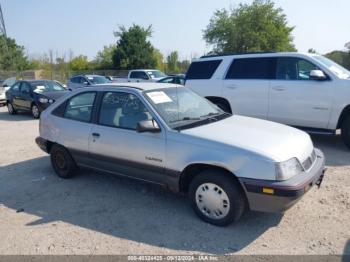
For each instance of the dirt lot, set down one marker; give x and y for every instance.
(103, 214)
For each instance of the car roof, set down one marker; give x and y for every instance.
(36, 81)
(144, 70)
(92, 75)
(251, 55)
(139, 86)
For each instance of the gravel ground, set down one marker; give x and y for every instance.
(102, 214)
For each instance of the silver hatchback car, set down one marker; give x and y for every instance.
(169, 135)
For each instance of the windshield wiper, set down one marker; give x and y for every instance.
(211, 114)
(186, 118)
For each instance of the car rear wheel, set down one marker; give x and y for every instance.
(35, 111)
(62, 162)
(11, 109)
(345, 131)
(216, 198)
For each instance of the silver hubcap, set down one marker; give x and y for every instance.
(10, 108)
(212, 200)
(35, 111)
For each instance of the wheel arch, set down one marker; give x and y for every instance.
(192, 170)
(220, 100)
(49, 145)
(345, 112)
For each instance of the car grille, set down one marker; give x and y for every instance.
(307, 164)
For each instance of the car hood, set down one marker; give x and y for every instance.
(55, 94)
(272, 140)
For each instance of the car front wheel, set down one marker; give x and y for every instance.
(345, 131)
(11, 109)
(62, 162)
(35, 111)
(216, 197)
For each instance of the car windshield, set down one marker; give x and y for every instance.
(48, 86)
(9, 81)
(181, 108)
(99, 80)
(156, 74)
(338, 70)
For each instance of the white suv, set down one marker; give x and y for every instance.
(307, 91)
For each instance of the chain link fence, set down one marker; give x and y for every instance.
(59, 75)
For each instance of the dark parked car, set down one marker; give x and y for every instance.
(80, 81)
(34, 96)
(176, 79)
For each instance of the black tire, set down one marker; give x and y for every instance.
(35, 111)
(11, 109)
(345, 131)
(62, 162)
(231, 188)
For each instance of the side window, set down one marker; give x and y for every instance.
(304, 69)
(251, 68)
(168, 80)
(143, 75)
(122, 110)
(291, 68)
(15, 87)
(139, 75)
(25, 88)
(74, 80)
(80, 107)
(133, 74)
(82, 80)
(202, 69)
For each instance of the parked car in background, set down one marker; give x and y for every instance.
(176, 79)
(225, 163)
(5, 85)
(33, 95)
(142, 75)
(307, 91)
(81, 81)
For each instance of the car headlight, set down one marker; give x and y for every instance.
(288, 169)
(43, 100)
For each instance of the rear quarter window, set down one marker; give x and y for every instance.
(202, 69)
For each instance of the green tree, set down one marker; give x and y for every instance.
(160, 60)
(172, 61)
(312, 51)
(184, 65)
(104, 58)
(12, 56)
(79, 63)
(134, 50)
(250, 28)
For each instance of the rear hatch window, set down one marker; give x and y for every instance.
(202, 69)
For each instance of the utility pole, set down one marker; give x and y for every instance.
(2, 24)
(3, 34)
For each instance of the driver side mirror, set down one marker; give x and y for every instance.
(317, 75)
(86, 83)
(150, 126)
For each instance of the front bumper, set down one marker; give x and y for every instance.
(278, 196)
(2, 100)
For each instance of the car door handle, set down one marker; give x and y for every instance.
(95, 135)
(279, 88)
(232, 87)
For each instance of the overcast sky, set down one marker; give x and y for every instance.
(85, 26)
